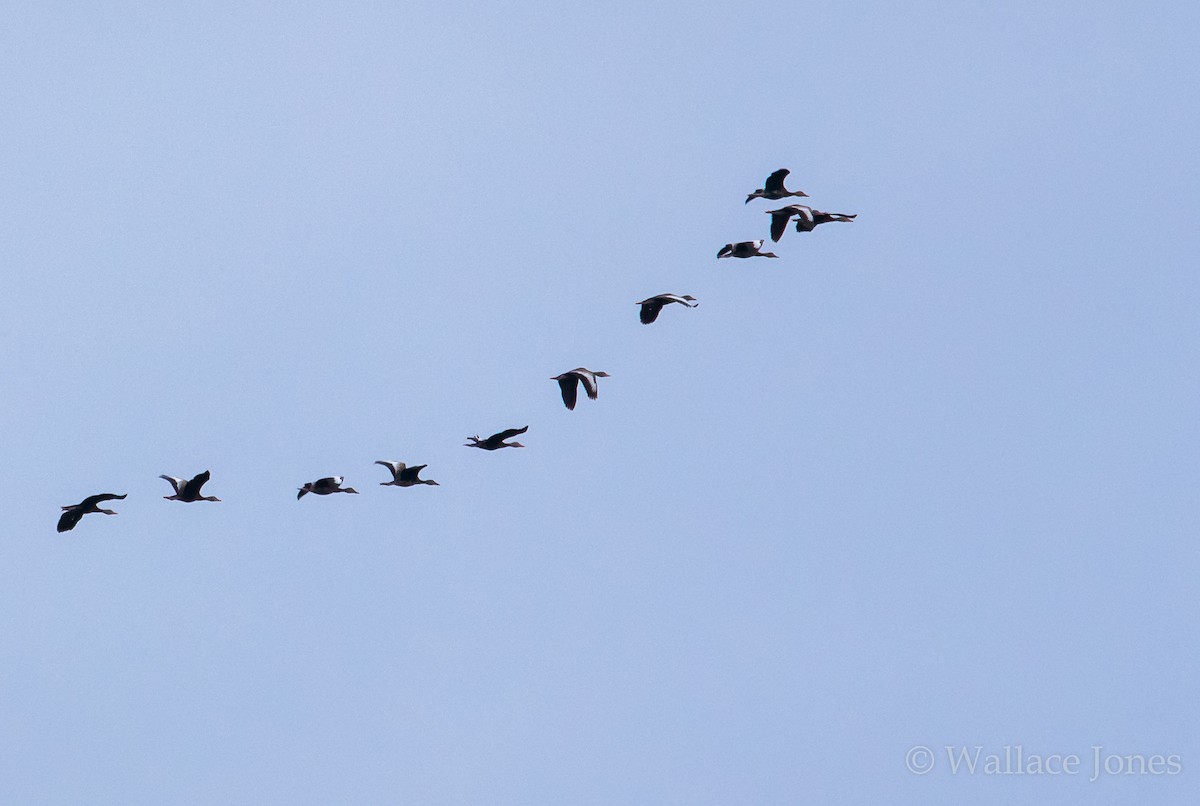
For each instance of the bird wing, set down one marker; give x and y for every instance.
(395, 467)
(569, 384)
(93, 500)
(779, 222)
(590, 384)
(68, 520)
(509, 434)
(775, 181)
(410, 473)
(176, 483)
(650, 309)
(726, 250)
(192, 488)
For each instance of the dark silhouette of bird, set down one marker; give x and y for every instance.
(781, 217)
(773, 188)
(189, 491)
(744, 249)
(807, 222)
(403, 475)
(325, 486)
(73, 513)
(569, 382)
(496, 441)
(651, 307)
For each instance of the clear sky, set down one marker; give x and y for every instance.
(929, 479)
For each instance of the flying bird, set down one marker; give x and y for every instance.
(72, 514)
(496, 441)
(808, 221)
(403, 475)
(569, 383)
(189, 491)
(325, 486)
(744, 249)
(773, 188)
(651, 307)
(781, 217)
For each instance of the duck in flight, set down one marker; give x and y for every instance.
(72, 514)
(189, 491)
(569, 382)
(325, 486)
(403, 475)
(773, 188)
(744, 249)
(496, 441)
(651, 307)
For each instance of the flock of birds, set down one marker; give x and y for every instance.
(773, 189)
(806, 217)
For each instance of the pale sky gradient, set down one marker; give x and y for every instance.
(928, 479)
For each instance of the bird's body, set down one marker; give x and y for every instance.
(651, 306)
(773, 188)
(189, 491)
(569, 382)
(744, 249)
(325, 486)
(496, 441)
(403, 475)
(809, 221)
(72, 514)
(781, 217)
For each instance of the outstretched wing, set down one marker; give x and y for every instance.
(590, 385)
(569, 384)
(775, 181)
(192, 488)
(650, 309)
(779, 222)
(726, 250)
(395, 467)
(410, 473)
(69, 519)
(509, 434)
(93, 500)
(176, 483)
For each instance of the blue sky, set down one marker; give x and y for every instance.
(928, 479)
